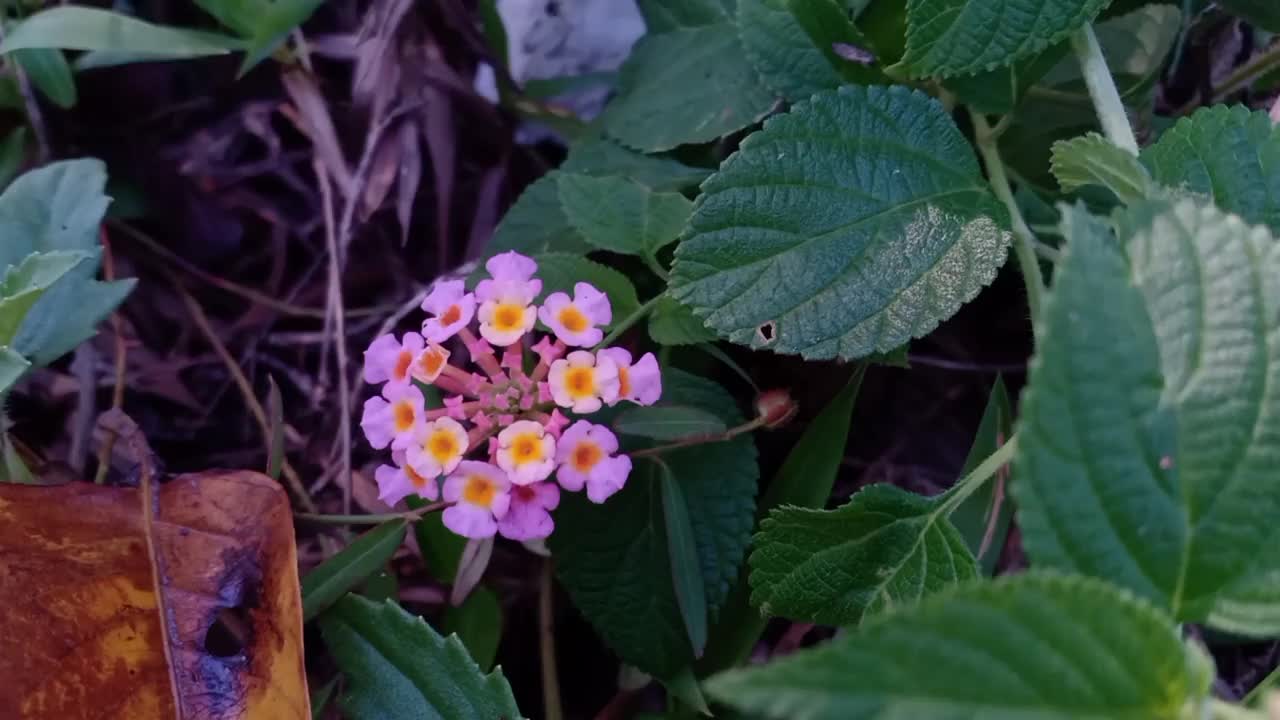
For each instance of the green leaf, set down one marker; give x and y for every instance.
(666, 15)
(781, 52)
(1094, 160)
(852, 224)
(334, 577)
(685, 86)
(48, 70)
(536, 223)
(886, 547)
(671, 323)
(1151, 420)
(805, 479)
(478, 623)
(1250, 605)
(964, 37)
(1036, 645)
(397, 667)
(1227, 153)
(12, 154)
(828, 25)
(560, 271)
(1263, 13)
(74, 27)
(27, 282)
(599, 156)
(983, 519)
(686, 576)
(264, 23)
(320, 698)
(12, 367)
(621, 215)
(441, 548)
(613, 558)
(668, 422)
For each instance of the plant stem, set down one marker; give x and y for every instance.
(1238, 80)
(1102, 88)
(1269, 682)
(703, 438)
(376, 519)
(1222, 710)
(547, 645)
(976, 479)
(652, 262)
(1024, 245)
(629, 321)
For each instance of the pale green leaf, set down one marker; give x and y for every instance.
(852, 224)
(983, 518)
(25, 283)
(781, 52)
(668, 422)
(1094, 160)
(13, 152)
(345, 571)
(12, 367)
(1227, 153)
(537, 223)
(1038, 645)
(685, 86)
(1150, 428)
(671, 323)
(686, 571)
(599, 156)
(48, 70)
(478, 623)
(621, 215)
(397, 667)
(560, 271)
(68, 314)
(886, 547)
(665, 15)
(75, 27)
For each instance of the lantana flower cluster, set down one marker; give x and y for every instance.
(491, 452)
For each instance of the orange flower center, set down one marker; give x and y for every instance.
(403, 360)
(451, 316)
(443, 446)
(430, 363)
(404, 416)
(624, 381)
(586, 455)
(573, 320)
(580, 381)
(508, 317)
(417, 480)
(479, 491)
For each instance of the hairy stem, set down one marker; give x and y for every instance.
(1102, 89)
(629, 321)
(1024, 245)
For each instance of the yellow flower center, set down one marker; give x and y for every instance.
(443, 446)
(417, 480)
(451, 316)
(402, 364)
(526, 447)
(624, 382)
(573, 320)
(403, 415)
(479, 490)
(508, 317)
(585, 456)
(580, 382)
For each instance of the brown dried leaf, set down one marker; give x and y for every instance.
(114, 595)
(310, 114)
(410, 176)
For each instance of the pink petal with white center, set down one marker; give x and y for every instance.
(593, 302)
(529, 517)
(526, 452)
(452, 310)
(581, 452)
(640, 382)
(469, 521)
(570, 321)
(607, 478)
(387, 360)
(582, 382)
(504, 321)
(511, 265)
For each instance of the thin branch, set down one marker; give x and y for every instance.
(1102, 89)
(339, 330)
(121, 361)
(552, 709)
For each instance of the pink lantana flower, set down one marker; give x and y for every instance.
(429, 363)
(480, 496)
(576, 322)
(387, 360)
(586, 457)
(452, 307)
(640, 383)
(439, 447)
(526, 451)
(395, 482)
(529, 516)
(395, 420)
(583, 382)
(506, 311)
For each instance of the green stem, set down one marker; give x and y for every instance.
(1024, 245)
(703, 438)
(1222, 710)
(1268, 683)
(1102, 88)
(629, 321)
(552, 709)
(655, 266)
(376, 519)
(976, 479)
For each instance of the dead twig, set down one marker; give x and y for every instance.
(339, 330)
(121, 360)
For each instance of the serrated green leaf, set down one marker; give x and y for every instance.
(397, 667)
(27, 282)
(828, 25)
(983, 519)
(1250, 605)
(343, 572)
(75, 27)
(1036, 645)
(560, 271)
(478, 623)
(671, 323)
(781, 52)
(895, 227)
(686, 571)
(886, 547)
(685, 86)
(1263, 13)
(536, 223)
(668, 422)
(12, 367)
(964, 37)
(48, 70)
(599, 156)
(613, 558)
(1151, 421)
(621, 215)
(1094, 160)
(665, 15)
(1227, 153)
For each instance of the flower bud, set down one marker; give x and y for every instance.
(776, 408)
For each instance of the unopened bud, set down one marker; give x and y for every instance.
(775, 407)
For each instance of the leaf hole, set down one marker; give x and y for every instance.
(767, 332)
(231, 631)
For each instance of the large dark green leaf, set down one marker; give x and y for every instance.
(75, 27)
(345, 571)
(852, 224)
(537, 223)
(49, 71)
